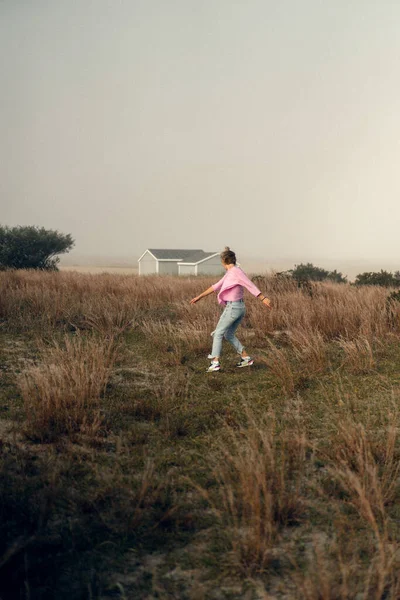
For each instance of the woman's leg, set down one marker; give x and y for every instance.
(225, 321)
(228, 323)
(231, 337)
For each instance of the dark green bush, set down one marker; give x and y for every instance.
(32, 247)
(309, 272)
(384, 278)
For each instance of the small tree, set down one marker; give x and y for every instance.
(32, 247)
(383, 278)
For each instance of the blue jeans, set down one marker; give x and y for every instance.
(228, 322)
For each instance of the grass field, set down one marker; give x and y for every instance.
(126, 471)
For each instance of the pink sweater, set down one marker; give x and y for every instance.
(230, 287)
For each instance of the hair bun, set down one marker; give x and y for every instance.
(227, 249)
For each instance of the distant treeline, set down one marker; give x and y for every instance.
(309, 272)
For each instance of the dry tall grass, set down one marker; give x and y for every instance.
(260, 474)
(278, 363)
(45, 301)
(61, 393)
(63, 300)
(365, 465)
(359, 356)
(311, 350)
(367, 469)
(332, 573)
(334, 310)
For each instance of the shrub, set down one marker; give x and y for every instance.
(308, 272)
(383, 278)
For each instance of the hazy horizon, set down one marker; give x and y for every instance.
(269, 127)
(252, 264)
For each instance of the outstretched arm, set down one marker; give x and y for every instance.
(253, 289)
(208, 291)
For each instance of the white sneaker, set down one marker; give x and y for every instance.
(215, 366)
(247, 361)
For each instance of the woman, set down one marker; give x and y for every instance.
(230, 289)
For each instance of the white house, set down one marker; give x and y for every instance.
(179, 262)
(201, 263)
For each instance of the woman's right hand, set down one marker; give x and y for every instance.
(194, 300)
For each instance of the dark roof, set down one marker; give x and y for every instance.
(178, 254)
(198, 255)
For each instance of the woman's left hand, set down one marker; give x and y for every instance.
(194, 300)
(267, 302)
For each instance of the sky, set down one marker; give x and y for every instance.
(271, 127)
